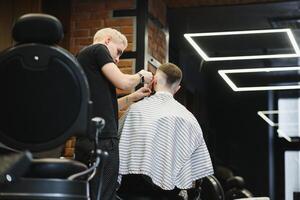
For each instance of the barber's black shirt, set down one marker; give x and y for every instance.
(103, 92)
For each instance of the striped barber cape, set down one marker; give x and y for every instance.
(160, 138)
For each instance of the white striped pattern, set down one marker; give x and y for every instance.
(162, 139)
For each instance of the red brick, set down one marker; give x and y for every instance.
(81, 33)
(89, 7)
(89, 24)
(72, 41)
(158, 10)
(100, 15)
(83, 41)
(95, 29)
(120, 4)
(88, 16)
(118, 28)
(129, 47)
(125, 63)
(128, 21)
(129, 38)
(126, 70)
(81, 16)
(82, 7)
(73, 24)
(82, 25)
(127, 29)
(75, 49)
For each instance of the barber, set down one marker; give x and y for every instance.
(99, 62)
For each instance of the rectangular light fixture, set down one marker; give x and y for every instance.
(281, 133)
(189, 37)
(223, 74)
(263, 115)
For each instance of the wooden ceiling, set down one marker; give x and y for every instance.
(196, 3)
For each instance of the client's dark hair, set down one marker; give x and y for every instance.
(172, 71)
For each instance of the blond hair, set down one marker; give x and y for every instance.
(172, 71)
(115, 35)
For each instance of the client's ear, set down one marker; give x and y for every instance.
(177, 88)
(153, 82)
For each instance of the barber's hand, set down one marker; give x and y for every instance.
(140, 93)
(147, 76)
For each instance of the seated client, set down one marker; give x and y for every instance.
(161, 145)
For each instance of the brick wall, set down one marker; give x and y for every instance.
(10, 11)
(157, 42)
(157, 31)
(88, 16)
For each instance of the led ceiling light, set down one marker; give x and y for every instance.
(189, 37)
(281, 133)
(223, 74)
(263, 115)
(284, 135)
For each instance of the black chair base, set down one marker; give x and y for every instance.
(44, 189)
(54, 168)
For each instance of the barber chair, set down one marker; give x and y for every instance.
(236, 188)
(223, 173)
(134, 188)
(208, 188)
(44, 101)
(141, 187)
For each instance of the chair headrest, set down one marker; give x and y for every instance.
(37, 28)
(235, 181)
(44, 92)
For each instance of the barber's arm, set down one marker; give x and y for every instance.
(125, 81)
(135, 96)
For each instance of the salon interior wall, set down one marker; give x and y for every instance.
(237, 137)
(288, 128)
(288, 104)
(10, 10)
(89, 16)
(288, 117)
(81, 20)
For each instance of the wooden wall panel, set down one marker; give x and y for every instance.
(10, 11)
(6, 20)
